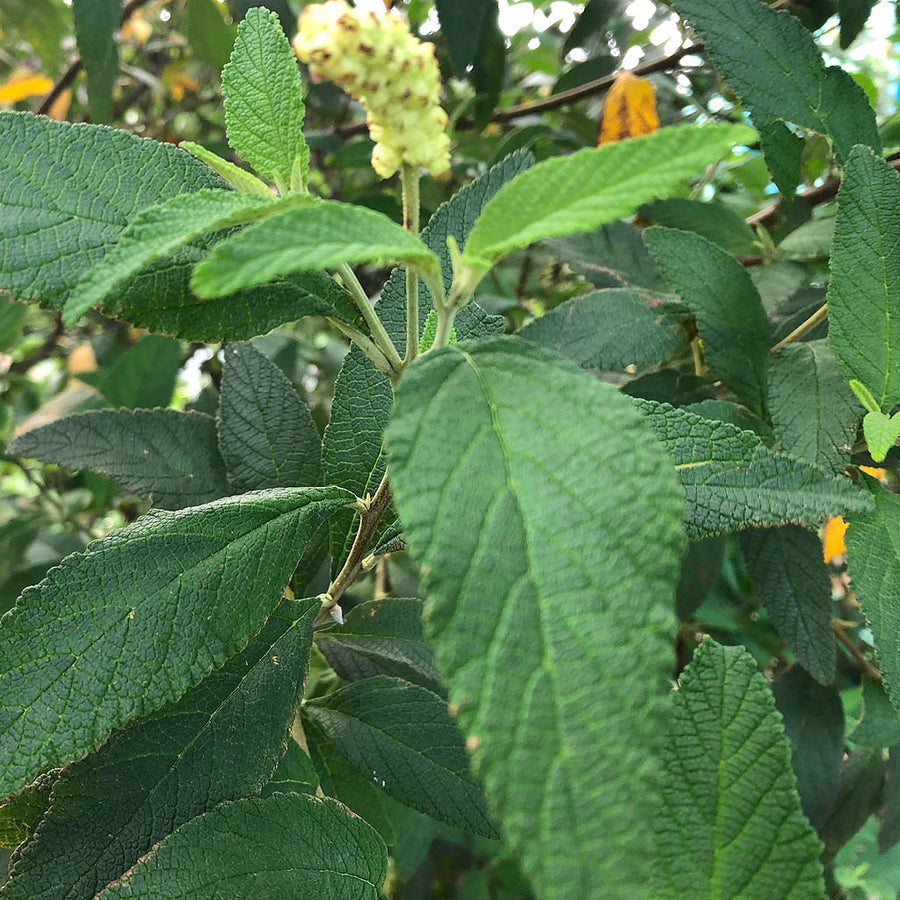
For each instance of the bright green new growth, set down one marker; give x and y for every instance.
(240, 179)
(731, 825)
(881, 433)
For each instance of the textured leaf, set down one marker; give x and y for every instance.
(750, 44)
(20, 815)
(880, 724)
(321, 235)
(173, 765)
(814, 413)
(266, 434)
(263, 99)
(784, 154)
(881, 433)
(610, 329)
(732, 481)
(730, 316)
(402, 737)
(135, 620)
(381, 637)
(462, 22)
(731, 824)
(873, 562)
(295, 773)
(714, 221)
(96, 22)
(791, 581)
(168, 454)
(68, 191)
(287, 845)
(526, 592)
(575, 193)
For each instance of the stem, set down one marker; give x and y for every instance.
(380, 337)
(837, 626)
(366, 345)
(818, 316)
(409, 178)
(446, 314)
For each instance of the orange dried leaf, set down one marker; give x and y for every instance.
(833, 546)
(880, 474)
(629, 110)
(21, 85)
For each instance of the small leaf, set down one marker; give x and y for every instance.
(240, 179)
(731, 824)
(881, 433)
(629, 109)
(287, 845)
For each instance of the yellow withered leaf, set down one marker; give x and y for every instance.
(629, 110)
(21, 85)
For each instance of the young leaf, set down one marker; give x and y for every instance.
(287, 845)
(881, 433)
(266, 434)
(730, 316)
(526, 588)
(167, 454)
(128, 625)
(263, 99)
(240, 179)
(143, 783)
(864, 294)
(749, 44)
(96, 22)
(610, 329)
(401, 736)
(732, 480)
(731, 824)
(321, 235)
(791, 581)
(575, 193)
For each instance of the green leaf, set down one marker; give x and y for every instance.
(610, 329)
(854, 15)
(880, 724)
(731, 824)
(750, 45)
(381, 637)
(321, 235)
(20, 815)
(873, 563)
(730, 316)
(814, 414)
(12, 321)
(127, 626)
(207, 32)
(881, 433)
(287, 845)
(240, 179)
(68, 191)
(401, 736)
(143, 783)
(791, 581)
(714, 221)
(264, 100)
(156, 232)
(266, 434)
(862, 778)
(575, 193)
(295, 773)
(96, 22)
(462, 22)
(488, 73)
(783, 151)
(732, 480)
(558, 682)
(889, 833)
(167, 454)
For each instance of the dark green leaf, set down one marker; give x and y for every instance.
(12, 319)
(295, 773)
(889, 833)
(96, 22)
(591, 23)
(854, 15)
(20, 815)
(734, 414)
(127, 626)
(462, 22)
(524, 591)
(784, 154)
(146, 780)
(717, 223)
(862, 779)
(207, 32)
(488, 67)
(732, 825)
(880, 724)
(168, 454)
(266, 434)
(700, 570)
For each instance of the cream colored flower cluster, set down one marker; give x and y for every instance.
(393, 74)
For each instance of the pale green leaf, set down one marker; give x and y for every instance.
(96, 22)
(286, 845)
(881, 433)
(575, 193)
(240, 179)
(127, 626)
(551, 625)
(731, 825)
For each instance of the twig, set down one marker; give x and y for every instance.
(838, 628)
(818, 316)
(45, 351)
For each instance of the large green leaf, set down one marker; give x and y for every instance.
(401, 736)
(143, 783)
(286, 845)
(731, 825)
(732, 480)
(715, 221)
(792, 583)
(880, 724)
(266, 434)
(171, 455)
(323, 234)
(551, 625)
(462, 23)
(864, 294)
(773, 63)
(873, 562)
(143, 614)
(854, 14)
(730, 316)
(610, 329)
(814, 413)
(575, 193)
(96, 22)
(264, 101)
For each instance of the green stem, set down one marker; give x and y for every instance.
(366, 345)
(446, 314)
(380, 337)
(409, 178)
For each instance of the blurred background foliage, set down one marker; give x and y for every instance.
(516, 75)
